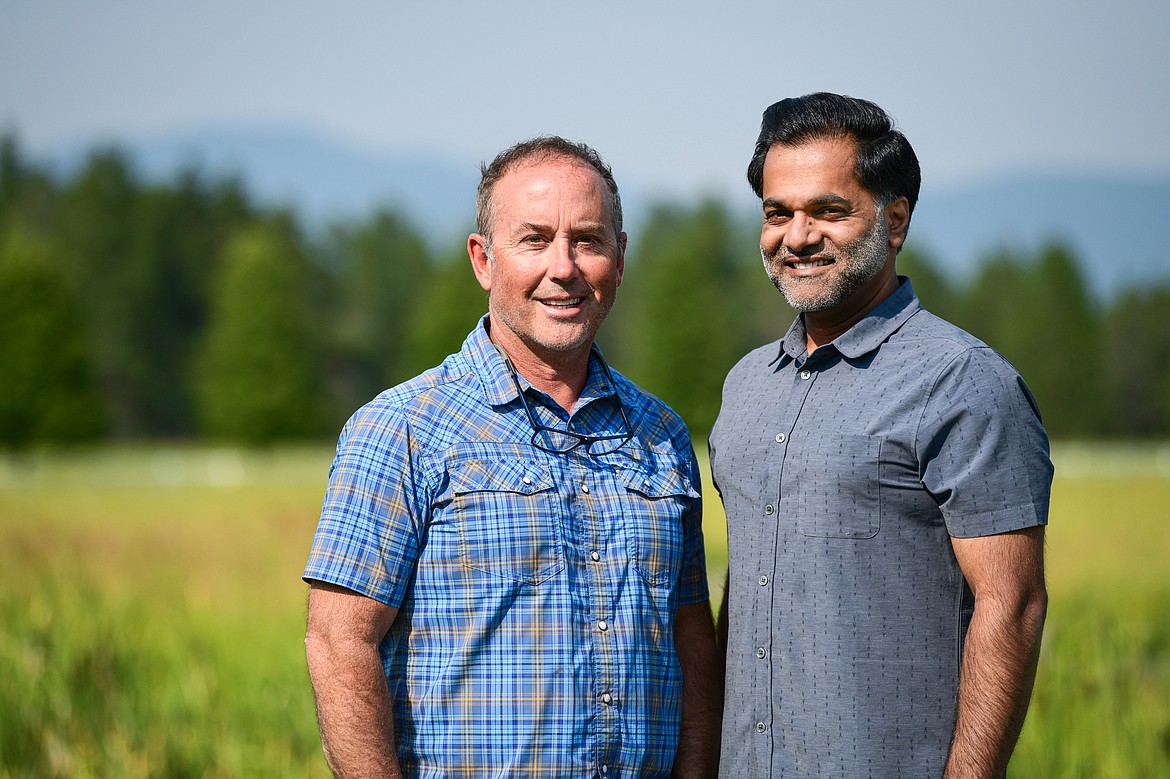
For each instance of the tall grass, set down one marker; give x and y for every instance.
(152, 614)
(152, 617)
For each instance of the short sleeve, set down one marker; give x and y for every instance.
(367, 538)
(982, 447)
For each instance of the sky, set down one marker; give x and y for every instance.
(669, 93)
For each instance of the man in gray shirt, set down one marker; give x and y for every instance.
(886, 480)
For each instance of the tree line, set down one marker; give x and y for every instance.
(134, 310)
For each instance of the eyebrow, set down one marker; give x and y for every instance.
(826, 199)
(583, 227)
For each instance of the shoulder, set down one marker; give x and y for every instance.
(651, 416)
(416, 403)
(966, 374)
(645, 403)
(946, 338)
(950, 348)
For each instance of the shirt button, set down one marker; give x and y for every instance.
(602, 625)
(780, 438)
(585, 488)
(527, 480)
(806, 375)
(607, 698)
(763, 581)
(604, 769)
(761, 652)
(594, 556)
(769, 509)
(761, 727)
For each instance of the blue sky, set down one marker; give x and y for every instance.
(670, 93)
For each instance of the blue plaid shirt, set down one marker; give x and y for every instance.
(536, 592)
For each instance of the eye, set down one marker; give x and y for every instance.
(776, 217)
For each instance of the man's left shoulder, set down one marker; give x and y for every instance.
(945, 342)
(647, 410)
(925, 325)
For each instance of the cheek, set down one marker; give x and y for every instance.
(603, 275)
(770, 239)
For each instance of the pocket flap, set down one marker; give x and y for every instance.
(517, 476)
(659, 484)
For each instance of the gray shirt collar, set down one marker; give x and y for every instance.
(865, 336)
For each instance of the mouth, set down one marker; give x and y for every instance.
(563, 302)
(808, 264)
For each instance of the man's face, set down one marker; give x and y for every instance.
(555, 262)
(824, 243)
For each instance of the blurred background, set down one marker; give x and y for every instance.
(225, 226)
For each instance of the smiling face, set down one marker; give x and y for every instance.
(825, 243)
(554, 263)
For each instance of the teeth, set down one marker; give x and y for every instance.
(808, 265)
(564, 303)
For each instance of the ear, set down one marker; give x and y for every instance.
(480, 262)
(897, 216)
(621, 258)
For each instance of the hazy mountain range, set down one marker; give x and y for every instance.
(1112, 223)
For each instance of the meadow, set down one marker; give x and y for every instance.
(152, 614)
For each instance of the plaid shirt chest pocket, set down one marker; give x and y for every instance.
(654, 505)
(506, 521)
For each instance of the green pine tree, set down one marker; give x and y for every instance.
(47, 394)
(259, 378)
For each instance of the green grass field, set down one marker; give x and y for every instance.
(151, 615)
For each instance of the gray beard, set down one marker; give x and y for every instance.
(859, 262)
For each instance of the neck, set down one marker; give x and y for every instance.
(560, 375)
(822, 327)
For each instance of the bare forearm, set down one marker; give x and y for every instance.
(999, 669)
(702, 706)
(721, 633)
(353, 708)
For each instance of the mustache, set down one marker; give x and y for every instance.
(575, 291)
(784, 254)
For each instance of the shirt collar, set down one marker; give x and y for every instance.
(498, 387)
(865, 336)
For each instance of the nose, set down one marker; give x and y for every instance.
(562, 261)
(802, 233)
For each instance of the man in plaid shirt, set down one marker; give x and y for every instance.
(508, 577)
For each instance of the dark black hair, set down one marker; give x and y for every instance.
(886, 165)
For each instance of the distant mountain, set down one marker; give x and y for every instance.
(322, 181)
(1114, 225)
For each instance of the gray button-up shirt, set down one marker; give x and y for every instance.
(844, 475)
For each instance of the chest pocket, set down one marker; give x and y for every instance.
(654, 505)
(831, 487)
(504, 512)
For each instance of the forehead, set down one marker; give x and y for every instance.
(536, 185)
(815, 168)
